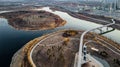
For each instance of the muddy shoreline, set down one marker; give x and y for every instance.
(71, 43)
(93, 18)
(33, 20)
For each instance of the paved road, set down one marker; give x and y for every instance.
(81, 41)
(98, 20)
(31, 60)
(109, 46)
(80, 47)
(94, 62)
(90, 58)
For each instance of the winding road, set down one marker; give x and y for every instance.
(81, 42)
(31, 60)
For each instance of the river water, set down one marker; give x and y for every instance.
(12, 40)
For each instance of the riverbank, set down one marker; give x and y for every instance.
(17, 38)
(93, 18)
(65, 41)
(33, 20)
(21, 57)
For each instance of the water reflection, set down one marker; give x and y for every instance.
(11, 39)
(75, 23)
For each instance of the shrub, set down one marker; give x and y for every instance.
(117, 61)
(69, 33)
(104, 54)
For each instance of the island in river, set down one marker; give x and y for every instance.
(33, 20)
(58, 49)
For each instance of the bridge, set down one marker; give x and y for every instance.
(82, 48)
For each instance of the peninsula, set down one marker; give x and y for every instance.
(58, 49)
(33, 20)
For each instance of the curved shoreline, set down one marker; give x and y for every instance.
(33, 20)
(92, 18)
(29, 46)
(25, 51)
(93, 22)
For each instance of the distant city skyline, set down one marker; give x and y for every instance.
(58, 0)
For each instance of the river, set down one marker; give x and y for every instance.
(12, 40)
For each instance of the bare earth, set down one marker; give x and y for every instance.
(33, 20)
(59, 50)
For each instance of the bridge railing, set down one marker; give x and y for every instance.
(79, 62)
